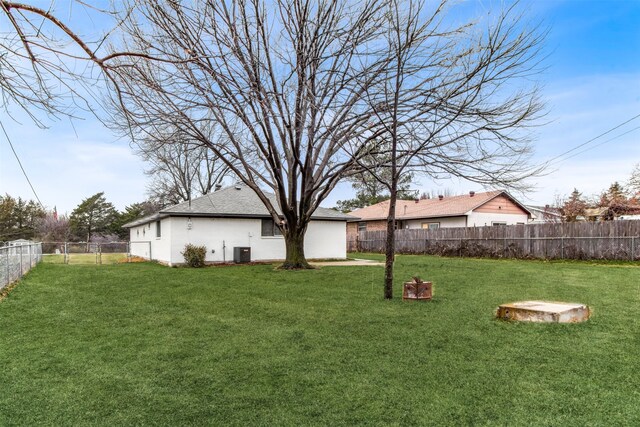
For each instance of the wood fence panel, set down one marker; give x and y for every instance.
(585, 240)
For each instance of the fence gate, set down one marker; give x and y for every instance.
(86, 252)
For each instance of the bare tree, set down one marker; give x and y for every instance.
(633, 185)
(180, 169)
(282, 81)
(54, 228)
(302, 90)
(452, 101)
(41, 62)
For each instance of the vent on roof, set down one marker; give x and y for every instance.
(238, 187)
(472, 193)
(440, 197)
(417, 200)
(405, 209)
(218, 186)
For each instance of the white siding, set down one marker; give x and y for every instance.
(445, 222)
(143, 239)
(478, 219)
(324, 239)
(475, 219)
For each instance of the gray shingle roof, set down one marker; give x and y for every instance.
(236, 201)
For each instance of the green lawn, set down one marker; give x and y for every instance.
(82, 258)
(145, 344)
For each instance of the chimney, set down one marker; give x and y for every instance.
(472, 193)
(440, 197)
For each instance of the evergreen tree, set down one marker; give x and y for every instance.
(131, 213)
(370, 190)
(19, 218)
(94, 215)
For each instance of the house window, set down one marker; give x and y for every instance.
(431, 225)
(399, 225)
(270, 229)
(362, 226)
(158, 229)
(498, 223)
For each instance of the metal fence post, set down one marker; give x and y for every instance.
(8, 267)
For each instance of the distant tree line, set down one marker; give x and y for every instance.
(617, 200)
(94, 220)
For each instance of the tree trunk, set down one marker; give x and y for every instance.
(393, 194)
(294, 242)
(390, 246)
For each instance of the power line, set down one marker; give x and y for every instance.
(20, 163)
(551, 160)
(594, 146)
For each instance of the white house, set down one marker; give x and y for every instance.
(544, 214)
(472, 210)
(233, 217)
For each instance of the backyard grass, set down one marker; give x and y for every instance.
(250, 345)
(88, 258)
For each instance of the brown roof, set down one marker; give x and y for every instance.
(430, 208)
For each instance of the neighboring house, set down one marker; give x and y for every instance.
(629, 217)
(19, 242)
(472, 210)
(544, 214)
(594, 214)
(228, 218)
(615, 212)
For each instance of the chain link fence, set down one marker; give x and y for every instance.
(16, 260)
(86, 252)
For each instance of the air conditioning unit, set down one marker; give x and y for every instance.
(241, 254)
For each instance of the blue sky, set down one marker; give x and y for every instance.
(591, 84)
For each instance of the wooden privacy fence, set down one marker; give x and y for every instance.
(583, 240)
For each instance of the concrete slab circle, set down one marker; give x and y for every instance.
(544, 311)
